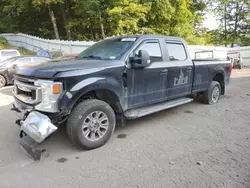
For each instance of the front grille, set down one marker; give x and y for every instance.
(25, 80)
(26, 91)
(31, 94)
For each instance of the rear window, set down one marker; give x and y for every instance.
(9, 53)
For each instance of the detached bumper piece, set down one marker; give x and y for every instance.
(28, 145)
(38, 126)
(34, 130)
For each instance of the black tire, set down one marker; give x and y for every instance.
(79, 115)
(2, 81)
(208, 95)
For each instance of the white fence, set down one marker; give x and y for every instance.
(35, 43)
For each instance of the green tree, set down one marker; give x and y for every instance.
(48, 3)
(127, 15)
(160, 16)
(96, 19)
(234, 19)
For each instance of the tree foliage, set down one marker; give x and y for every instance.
(234, 20)
(97, 19)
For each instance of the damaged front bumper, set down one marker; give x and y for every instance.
(35, 128)
(38, 126)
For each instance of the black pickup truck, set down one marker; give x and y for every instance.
(119, 78)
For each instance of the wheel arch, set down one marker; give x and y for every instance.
(219, 76)
(105, 95)
(92, 91)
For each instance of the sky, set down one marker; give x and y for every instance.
(210, 22)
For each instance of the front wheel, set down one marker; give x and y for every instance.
(91, 124)
(212, 95)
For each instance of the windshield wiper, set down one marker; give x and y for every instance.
(91, 57)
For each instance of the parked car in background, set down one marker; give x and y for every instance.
(236, 59)
(50, 53)
(9, 67)
(6, 54)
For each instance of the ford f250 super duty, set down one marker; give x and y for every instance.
(119, 78)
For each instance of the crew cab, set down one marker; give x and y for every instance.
(119, 78)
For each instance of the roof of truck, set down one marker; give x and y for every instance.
(149, 36)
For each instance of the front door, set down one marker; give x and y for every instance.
(180, 71)
(147, 85)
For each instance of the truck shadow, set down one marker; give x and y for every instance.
(151, 119)
(60, 145)
(7, 90)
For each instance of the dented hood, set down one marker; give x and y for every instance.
(51, 68)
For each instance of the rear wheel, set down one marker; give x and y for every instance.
(212, 95)
(91, 124)
(2, 81)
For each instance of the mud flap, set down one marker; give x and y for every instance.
(28, 145)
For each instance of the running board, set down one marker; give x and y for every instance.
(143, 111)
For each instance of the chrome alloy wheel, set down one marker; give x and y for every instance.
(95, 125)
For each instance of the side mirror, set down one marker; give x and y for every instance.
(141, 60)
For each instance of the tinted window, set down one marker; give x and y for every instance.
(23, 60)
(154, 50)
(176, 51)
(39, 59)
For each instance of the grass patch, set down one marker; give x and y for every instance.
(5, 45)
(24, 51)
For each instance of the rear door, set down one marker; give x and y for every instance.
(180, 70)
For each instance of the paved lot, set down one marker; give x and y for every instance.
(193, 145)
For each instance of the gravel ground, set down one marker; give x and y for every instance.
(193, 145)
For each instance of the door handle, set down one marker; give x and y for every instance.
(164, 71)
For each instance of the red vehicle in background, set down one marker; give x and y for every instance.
(55, 54)
(68, 56)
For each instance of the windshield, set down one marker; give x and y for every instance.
(9, 53)
(107, 49)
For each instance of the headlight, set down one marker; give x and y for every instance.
(51, 92)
